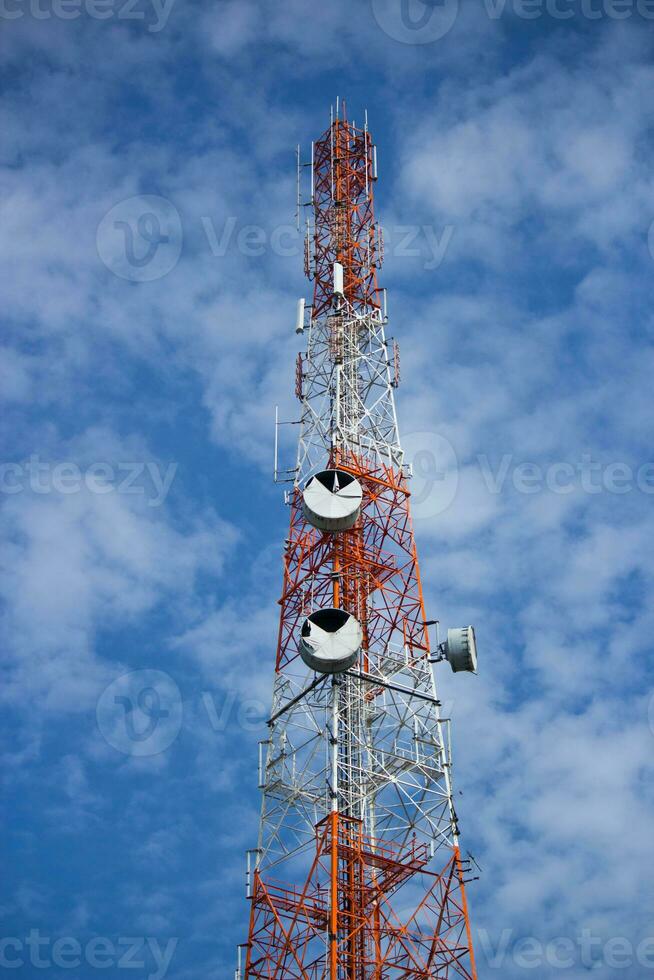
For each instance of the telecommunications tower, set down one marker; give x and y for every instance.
(357, 874)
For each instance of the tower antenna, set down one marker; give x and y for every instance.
(358, 873)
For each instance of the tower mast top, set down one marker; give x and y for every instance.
(344, 170)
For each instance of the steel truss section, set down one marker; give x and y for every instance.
(347, 392)
(343, 921)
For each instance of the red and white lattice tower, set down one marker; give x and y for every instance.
(357, 874)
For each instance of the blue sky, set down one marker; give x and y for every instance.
(517, 197)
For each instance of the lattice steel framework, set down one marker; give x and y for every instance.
(358, 873)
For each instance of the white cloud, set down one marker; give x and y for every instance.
(486, 160)
(75, 563)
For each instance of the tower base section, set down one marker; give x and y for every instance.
(342, 924)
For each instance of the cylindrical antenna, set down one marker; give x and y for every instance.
(298, 201)
(338, 279)
(331, 150)
(299, 319)
(365, 141)
(276, 439)
(313, 193)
